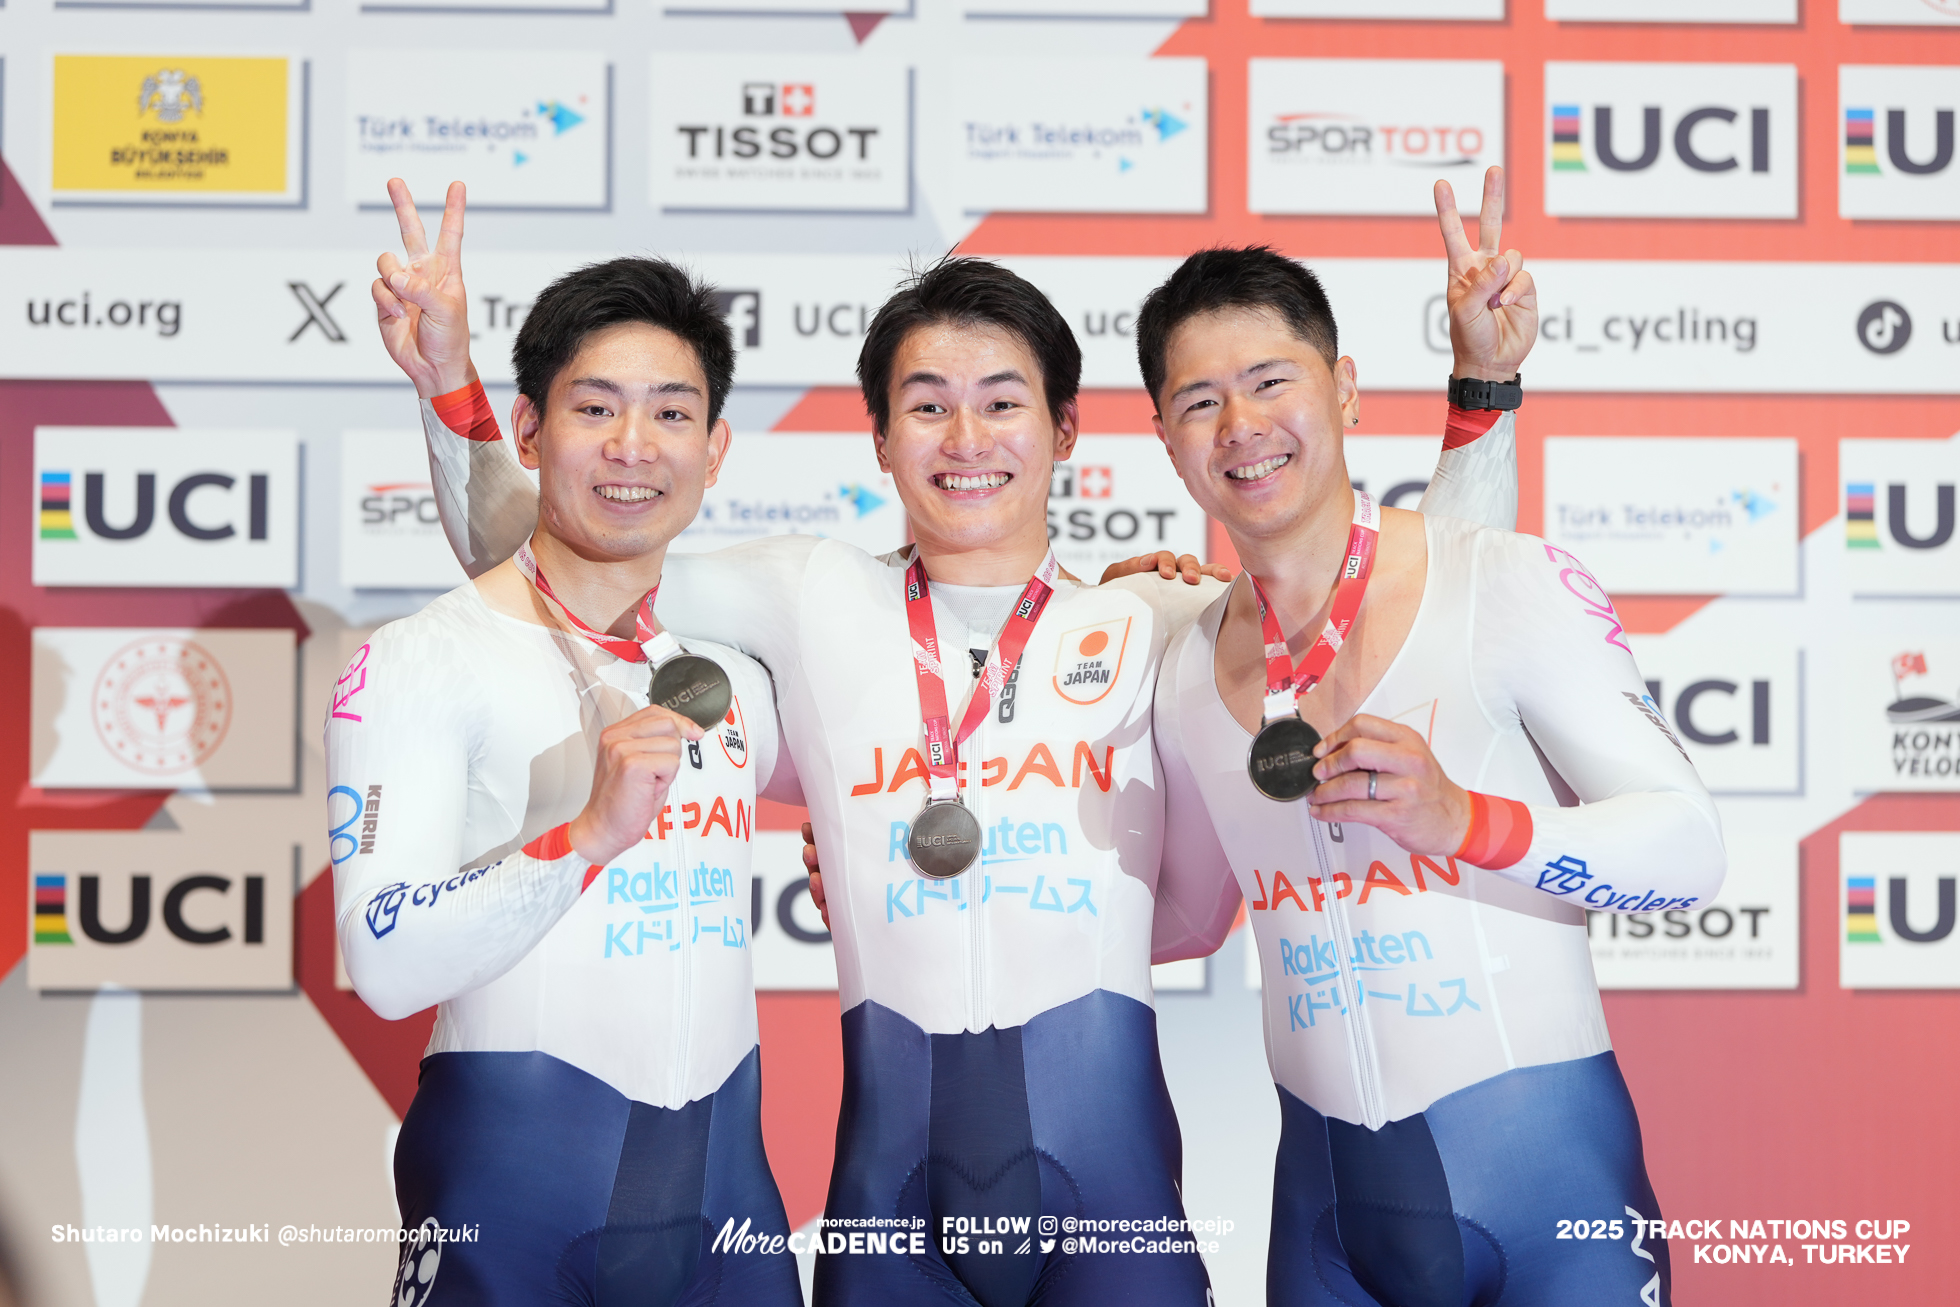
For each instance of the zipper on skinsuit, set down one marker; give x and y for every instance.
(684, 1027)
(1360, 1034)
(976, 894)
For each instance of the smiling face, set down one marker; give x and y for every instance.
(970, 444)
(623, 447)
(1252, 416)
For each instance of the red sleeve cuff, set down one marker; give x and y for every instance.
(1464, 425)
(556, 843)
(466, 411)
(1500, 832)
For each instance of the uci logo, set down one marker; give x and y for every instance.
(199, 521)
(177, 909)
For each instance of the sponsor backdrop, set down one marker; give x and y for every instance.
(1743, 216)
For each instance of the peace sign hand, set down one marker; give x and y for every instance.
(1492, 300)
(422, 307)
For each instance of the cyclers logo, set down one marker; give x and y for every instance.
(1898, 142)
(1901, 903)
(1671, 140)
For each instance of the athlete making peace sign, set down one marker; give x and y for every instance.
(1491, 769)
(1000, 1046)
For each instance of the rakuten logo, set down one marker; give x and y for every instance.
(1671, 140)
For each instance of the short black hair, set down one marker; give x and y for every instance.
(969, 292)
(1249, 277)
(602, 295)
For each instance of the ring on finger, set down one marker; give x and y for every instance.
(1372, 778)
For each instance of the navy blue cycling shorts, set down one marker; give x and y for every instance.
(566, 1191)
(1064, 1119)
(1463, 1204)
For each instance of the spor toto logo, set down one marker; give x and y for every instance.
(162, 706)
(1884, 327)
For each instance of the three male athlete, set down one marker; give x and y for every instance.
(523, 839)
(1000, 1047)
(1447, 1086)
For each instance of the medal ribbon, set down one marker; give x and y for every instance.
(942, 746)
(648, 637)
(1285, 683)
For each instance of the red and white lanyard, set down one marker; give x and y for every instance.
(1285, 683)
(650, 643)
(942, 747)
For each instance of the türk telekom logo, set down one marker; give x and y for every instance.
(1671, 140)
(1897, 147)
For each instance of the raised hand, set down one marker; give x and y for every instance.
(423, 310)
(1493, 303)
(638, 760)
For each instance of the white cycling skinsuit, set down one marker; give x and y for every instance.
(1000, 1045)
(1447, 1086)
(590, 1098)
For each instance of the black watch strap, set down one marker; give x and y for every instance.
(1476, 393)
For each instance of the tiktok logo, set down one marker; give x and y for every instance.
(1884, 327)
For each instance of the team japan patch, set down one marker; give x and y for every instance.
(1090, 659)
(733, 735)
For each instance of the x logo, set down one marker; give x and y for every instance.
(316, 312)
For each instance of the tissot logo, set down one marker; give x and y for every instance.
(767, 99)
(128, 507)
(821, 134)
(1671, 140)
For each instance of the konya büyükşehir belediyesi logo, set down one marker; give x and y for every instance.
(184, 125)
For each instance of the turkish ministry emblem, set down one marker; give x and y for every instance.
(162, 706)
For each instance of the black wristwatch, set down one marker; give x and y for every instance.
(1476, 393)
